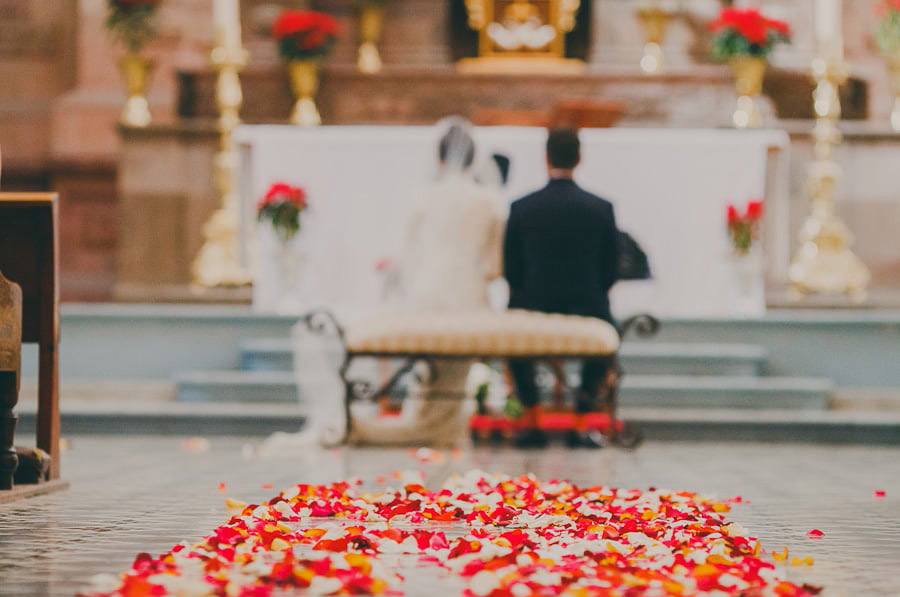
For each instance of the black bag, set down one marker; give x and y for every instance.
(633, 262)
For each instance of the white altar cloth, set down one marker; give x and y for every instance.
(669, 187)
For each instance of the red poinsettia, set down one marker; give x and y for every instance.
(746, 31)
(743, 228)
(282, 205)
(304, 34)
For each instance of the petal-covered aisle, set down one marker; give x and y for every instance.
(501, 536)
(147, 494)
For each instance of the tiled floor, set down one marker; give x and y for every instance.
(146, 493)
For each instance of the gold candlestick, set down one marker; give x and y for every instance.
(825, 264)
(217, 263)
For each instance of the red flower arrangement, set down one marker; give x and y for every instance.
(282, 205)
(743, 229)
(305, 34)
(131, 21)
(746, 32)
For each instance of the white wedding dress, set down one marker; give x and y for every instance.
(453, 246)
(452, 252)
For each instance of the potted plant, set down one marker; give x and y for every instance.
(280, 209)
(304, 38)
(743, 232)
(887, 36)
(133, 24)
(744, 38)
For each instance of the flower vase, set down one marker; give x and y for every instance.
(894, 68)
(749, 72)
(371, 21)
(304, 75)
(748, 284)
(135, 71)
(290, 262)
(655, 21)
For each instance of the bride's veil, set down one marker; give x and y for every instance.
(462, 159)
(456, 148)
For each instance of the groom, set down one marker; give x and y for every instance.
(560, 256)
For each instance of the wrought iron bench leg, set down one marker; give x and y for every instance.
(358, 390)
(630, 436)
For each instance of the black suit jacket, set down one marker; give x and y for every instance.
(561, 251)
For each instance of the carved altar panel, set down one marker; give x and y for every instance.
(522, 28)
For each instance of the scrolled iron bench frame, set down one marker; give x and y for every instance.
(323, 323)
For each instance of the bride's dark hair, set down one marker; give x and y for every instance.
(458, 140)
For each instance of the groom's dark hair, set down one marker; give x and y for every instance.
(457, 134)
(563, 148)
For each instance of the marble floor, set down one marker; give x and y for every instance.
(132, 494)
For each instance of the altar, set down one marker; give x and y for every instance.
(670, 188)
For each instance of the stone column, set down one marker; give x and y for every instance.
(84, 119)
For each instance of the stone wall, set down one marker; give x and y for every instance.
(35, 68)
(63, 92)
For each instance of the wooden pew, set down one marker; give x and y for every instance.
(29, 261)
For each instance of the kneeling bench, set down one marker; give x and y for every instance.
(414, 338)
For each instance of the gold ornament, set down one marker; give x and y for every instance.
(749, 72)
(135, 71)
(304, 75)
(371, 21)
(521, 36)
(824, 263)
(655, 21)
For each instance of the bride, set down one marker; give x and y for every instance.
(451, 253)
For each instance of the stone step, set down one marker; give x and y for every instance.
(276, 354)
(267, 354)
(652, 358)
(733, 392)
(121, 417)
(237, 386)
(154, 417)
(741, 425)
(677, 391)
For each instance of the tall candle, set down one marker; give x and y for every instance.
(829, 29)
(227, 20)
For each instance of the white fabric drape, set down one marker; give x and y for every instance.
(669, 187)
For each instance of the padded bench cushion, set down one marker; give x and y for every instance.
(484, 334)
